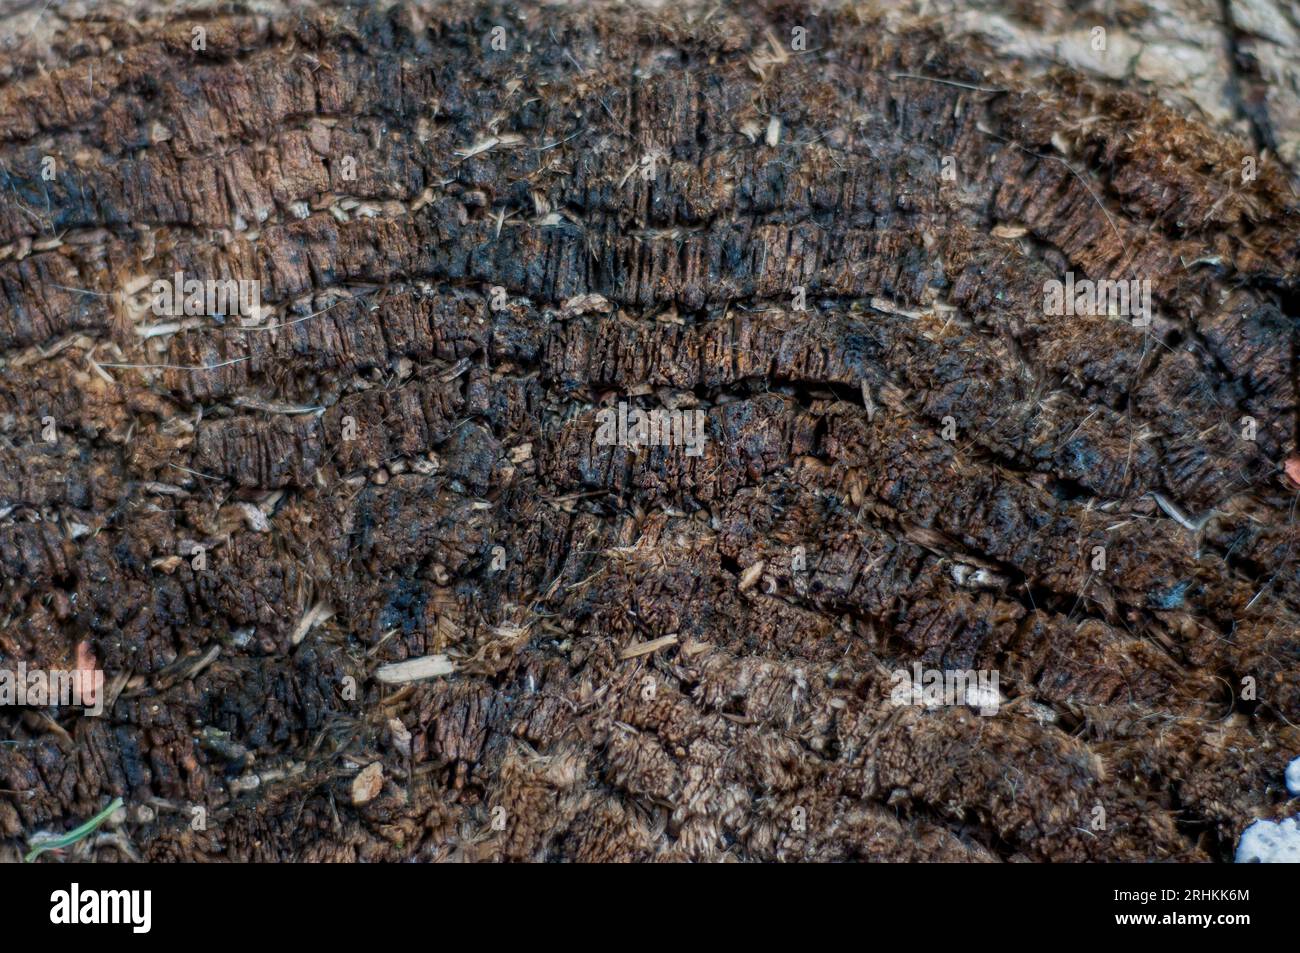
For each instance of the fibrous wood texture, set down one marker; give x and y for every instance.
(643, 654)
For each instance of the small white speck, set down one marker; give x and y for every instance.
(774, 131)
(1293, 777)
(1270, 842)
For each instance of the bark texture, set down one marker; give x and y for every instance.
(390, 467)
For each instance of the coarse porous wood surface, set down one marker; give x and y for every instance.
(365, 581)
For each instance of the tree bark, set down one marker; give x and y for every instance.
(829, 232)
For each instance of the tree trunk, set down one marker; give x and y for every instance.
(403, 514)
